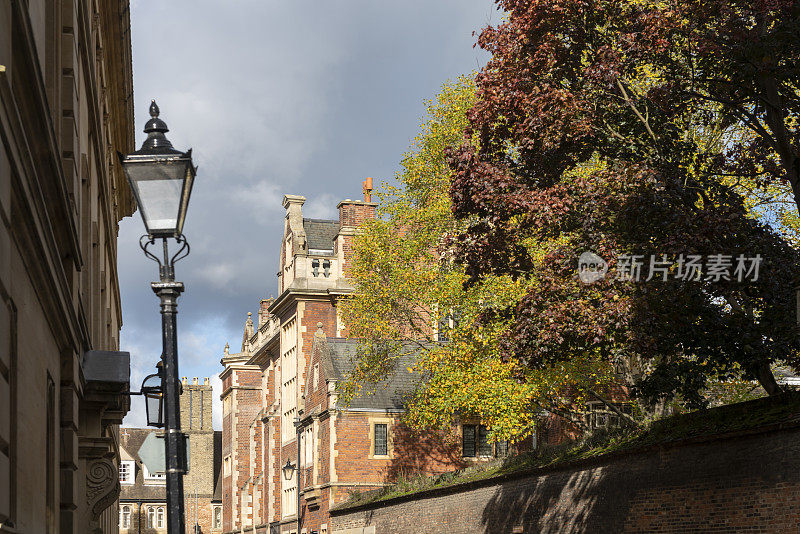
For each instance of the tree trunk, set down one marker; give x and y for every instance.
(767, 379)
(775, 113)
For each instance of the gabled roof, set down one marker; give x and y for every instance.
(131, 440)
(337, 355)
(320, 233)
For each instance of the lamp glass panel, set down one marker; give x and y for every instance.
(154, 405)
(159, 189)
(288, 470)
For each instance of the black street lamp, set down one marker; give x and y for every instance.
(290, 468)
(154, 400)
(161, 179)
(153, 395)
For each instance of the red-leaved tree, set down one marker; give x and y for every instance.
(618, 127)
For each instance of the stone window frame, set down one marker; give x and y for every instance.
(226, 466)
(125, 515)
(129, 467)
(216, 513)
(153, 478)
(156, 516)
(388, 421)
(477, 425)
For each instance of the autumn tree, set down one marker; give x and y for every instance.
(585, 136)
(413, 312)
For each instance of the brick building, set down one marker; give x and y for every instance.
(142, 502)
(280, 399)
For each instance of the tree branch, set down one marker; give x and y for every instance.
(641, 117)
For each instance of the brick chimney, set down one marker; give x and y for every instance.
(352, 213)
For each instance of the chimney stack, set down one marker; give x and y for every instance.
(368, 189)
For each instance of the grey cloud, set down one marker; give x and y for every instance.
(275, 97)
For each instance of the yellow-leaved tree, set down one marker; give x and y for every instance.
(413, 314)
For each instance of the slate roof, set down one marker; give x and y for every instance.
(131, 440)
(320, 233)
(337, 363)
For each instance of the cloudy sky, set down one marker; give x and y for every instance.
(275, 97)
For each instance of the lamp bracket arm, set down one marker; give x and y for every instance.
(144, 242)
(182, 252)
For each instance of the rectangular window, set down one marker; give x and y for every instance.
(598, 415)
(126, 472)
(381, 439)
(475, 441)
(501, 449)
(468, 441)
(289, 500)
(308, 446)
(484, 445)
(150, 478)
(288, 379)
(226, 466)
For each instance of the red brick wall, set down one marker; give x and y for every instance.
(245, 404)
(746, 483)
(353, 213)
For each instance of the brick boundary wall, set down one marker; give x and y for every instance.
(747, 481)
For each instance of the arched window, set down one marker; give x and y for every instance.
(151, 516)
(160, 517)
(124, 516)
(218, 518)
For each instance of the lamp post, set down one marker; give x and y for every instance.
(161, 179)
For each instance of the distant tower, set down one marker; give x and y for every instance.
(198, 484)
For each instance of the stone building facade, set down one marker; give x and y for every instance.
(66, 107)
(142, 502)
(280, 399)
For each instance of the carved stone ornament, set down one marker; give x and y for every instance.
(102, 489)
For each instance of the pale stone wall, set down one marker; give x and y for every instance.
(198, 484)
(65, 109)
